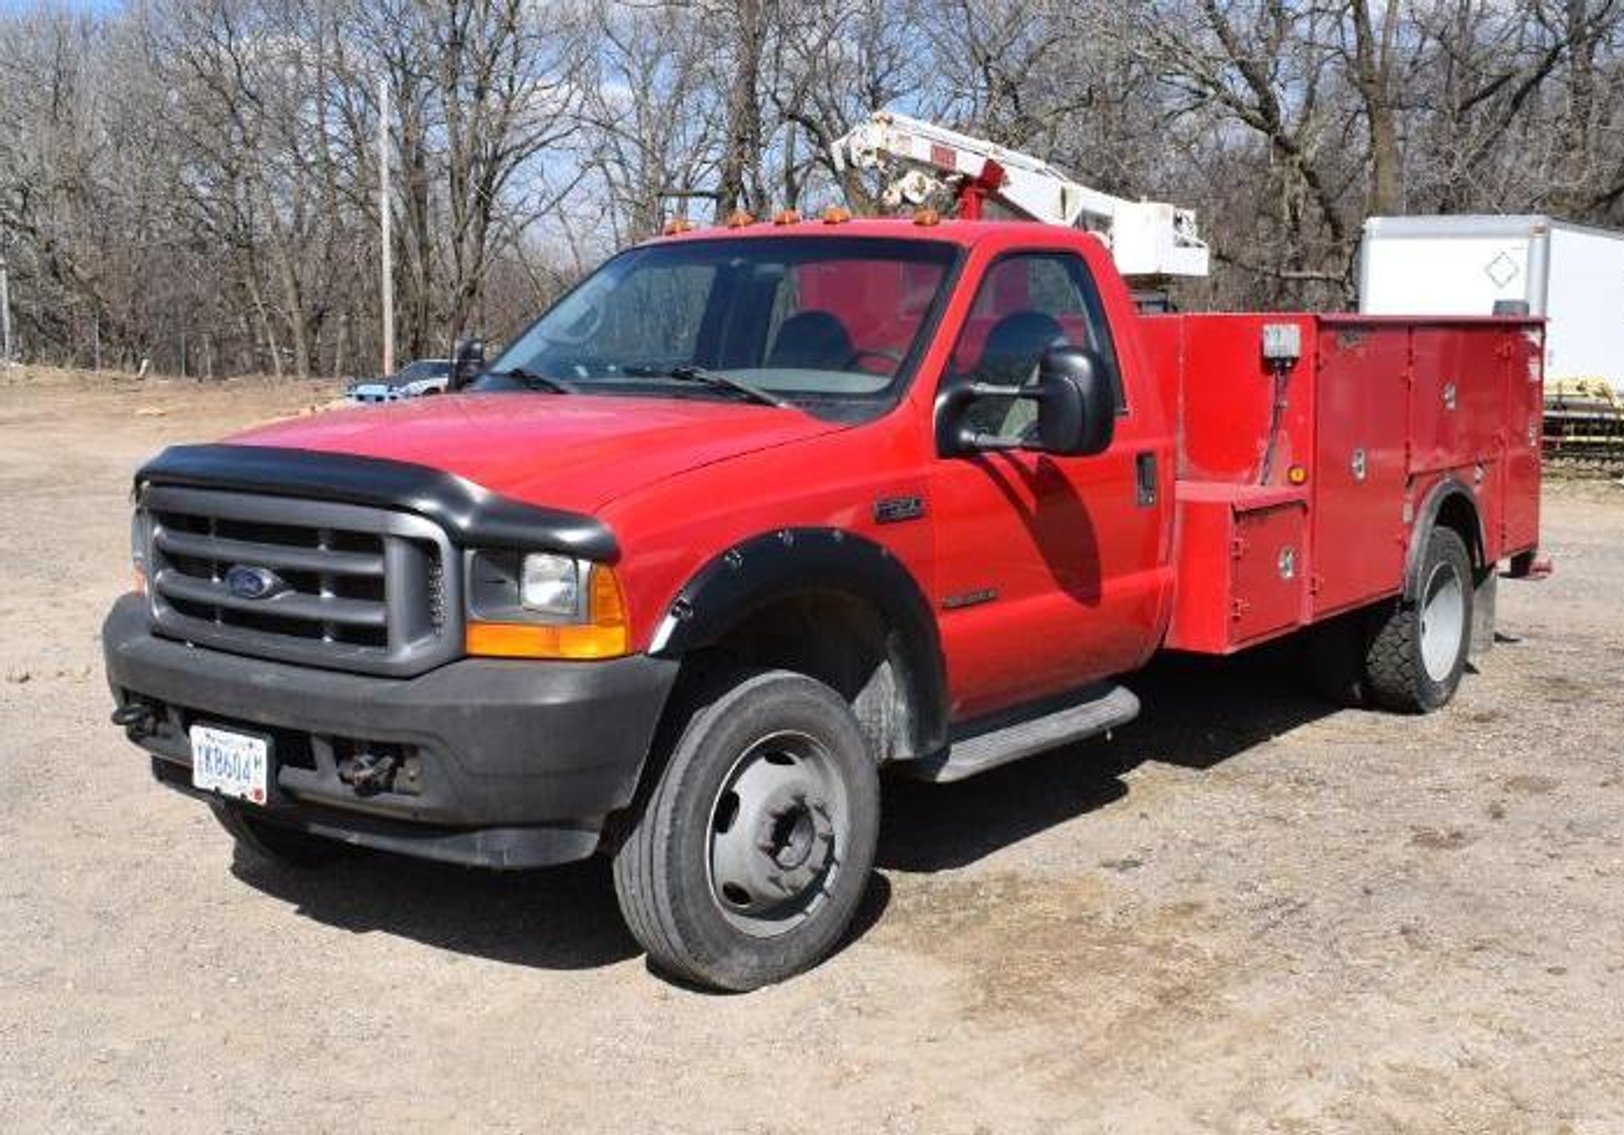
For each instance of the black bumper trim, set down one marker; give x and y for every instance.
(502, 743)
(502, 848)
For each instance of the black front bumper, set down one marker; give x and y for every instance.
(514, 763)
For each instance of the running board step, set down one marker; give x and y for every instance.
(1110, 707)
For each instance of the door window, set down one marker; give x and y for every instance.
(1026, 304)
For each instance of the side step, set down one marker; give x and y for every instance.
(1101, 709)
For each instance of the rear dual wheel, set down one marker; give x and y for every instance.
(1408, 655)
(1416, 658)
(749, 857)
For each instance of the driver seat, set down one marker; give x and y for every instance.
(812, 340)
(1010, 357)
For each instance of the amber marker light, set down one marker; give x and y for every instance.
(836, 215)
(1297, 475)
(927, 217)
(605, 634)
(786, 217)
(677, 226)
(738, 219)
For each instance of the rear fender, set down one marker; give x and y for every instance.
(1448, 490)
(1453, 494)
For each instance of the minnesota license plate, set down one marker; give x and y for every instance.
(232, 764)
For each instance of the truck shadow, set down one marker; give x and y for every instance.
(564, 918)
(1197, 713)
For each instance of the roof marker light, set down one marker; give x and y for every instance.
(738, 219)
(836, 215)
(927, 217)
(786, 217)
(677, 225)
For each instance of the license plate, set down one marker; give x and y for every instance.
(232, 764)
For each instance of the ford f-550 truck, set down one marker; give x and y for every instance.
(758, 511)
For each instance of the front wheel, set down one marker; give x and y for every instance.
(1416, 658)
(749, 857)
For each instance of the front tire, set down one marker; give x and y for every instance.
(747, 861)
(1416, 658)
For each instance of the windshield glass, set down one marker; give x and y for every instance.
(832, 324)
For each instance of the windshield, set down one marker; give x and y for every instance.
(833, 324)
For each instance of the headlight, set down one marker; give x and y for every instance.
(544, 605)
(551, 585)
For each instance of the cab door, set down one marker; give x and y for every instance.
(1050, 569)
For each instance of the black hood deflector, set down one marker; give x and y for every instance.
(471, 514)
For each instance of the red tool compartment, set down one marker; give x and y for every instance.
(1242, 557)
(1378, 414)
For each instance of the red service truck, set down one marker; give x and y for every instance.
(759, 511)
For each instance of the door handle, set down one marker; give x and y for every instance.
(1144, 469)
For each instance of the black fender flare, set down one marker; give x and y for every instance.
(755, 573)
(1450, 488)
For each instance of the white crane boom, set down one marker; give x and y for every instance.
(1146, 238)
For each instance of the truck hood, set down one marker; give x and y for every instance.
(575, 451)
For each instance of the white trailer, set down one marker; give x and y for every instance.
(1466, 265)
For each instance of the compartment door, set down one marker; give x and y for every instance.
(1525, 408)
(1269, 572)
(1457, 396)
(1358, 529)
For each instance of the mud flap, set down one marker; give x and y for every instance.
(1483, 598)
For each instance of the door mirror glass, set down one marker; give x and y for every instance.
(1076, 403)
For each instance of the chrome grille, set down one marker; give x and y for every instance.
(347, 587)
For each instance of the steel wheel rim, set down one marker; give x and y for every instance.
(777, 834)
(1443, 621)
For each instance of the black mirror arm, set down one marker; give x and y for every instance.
(993, 390)
(976, 441)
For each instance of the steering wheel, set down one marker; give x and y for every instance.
(890, 356)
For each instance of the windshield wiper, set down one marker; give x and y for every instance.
(686, 373)
(534, 381)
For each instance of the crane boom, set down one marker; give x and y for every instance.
(1147, 238)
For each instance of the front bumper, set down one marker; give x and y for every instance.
(513, 763)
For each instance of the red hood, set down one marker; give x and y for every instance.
(574, 452)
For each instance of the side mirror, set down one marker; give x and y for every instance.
(1076, 403)
(1076, 409)
(467, 361)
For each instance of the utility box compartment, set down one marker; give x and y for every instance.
(1303, 480)
(1243, 565)
(1360, 477)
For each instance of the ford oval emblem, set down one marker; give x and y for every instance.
(247, 582)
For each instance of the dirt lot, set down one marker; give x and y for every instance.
(1246, 913)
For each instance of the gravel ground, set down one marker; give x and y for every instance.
(1246, 913)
